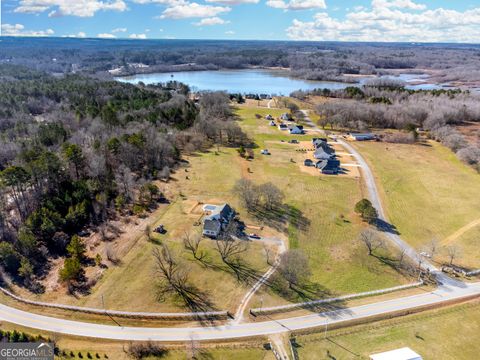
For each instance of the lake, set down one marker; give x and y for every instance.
(252, 81)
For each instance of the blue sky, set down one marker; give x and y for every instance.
(349, 20)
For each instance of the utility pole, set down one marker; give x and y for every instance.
(326, 327)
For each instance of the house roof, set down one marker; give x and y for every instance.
(328, 164)
(321, 154)
(225, 211)
(212, 225)
(398, 354)
(365, 135)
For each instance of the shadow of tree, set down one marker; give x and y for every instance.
(279, 218)
(384, 226)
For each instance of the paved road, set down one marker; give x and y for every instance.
(230, 331)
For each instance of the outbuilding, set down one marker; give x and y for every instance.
(361, 137)
(398, 354)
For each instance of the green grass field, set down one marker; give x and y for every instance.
(428, 193)
(448, 334)
(338, 262)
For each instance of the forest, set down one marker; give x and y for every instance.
(309, 60)
(75, 151)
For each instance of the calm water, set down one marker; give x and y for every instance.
(250, 81)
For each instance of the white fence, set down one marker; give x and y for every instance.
(309, 304)
(213, 315)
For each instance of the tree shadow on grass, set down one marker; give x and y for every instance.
(243, 272)
(386, 227)
(279, 218)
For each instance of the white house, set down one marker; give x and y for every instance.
(297, 130)
(216, 219)
(398, 354)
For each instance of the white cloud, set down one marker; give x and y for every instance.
(19, 30)
(192, 10)
(118, 30)
(80, 34)
(233, 2)
(82, 8)
(401, 4)
(106, 36)
(138, 36)
(399, 20)
(211, 21)
(297, 4)
(161, 2)
(229, 32)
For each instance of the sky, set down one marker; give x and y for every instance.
(320, 20)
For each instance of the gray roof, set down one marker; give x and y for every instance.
(328, 165)
(321, 154)
(226, 211)
(212, 225)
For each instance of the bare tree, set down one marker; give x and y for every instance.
(432, 247)
(371, 240)
(269, 255)
(247, 192)
(174, 275)
(230, 250)
(272, 196)
(192, 244)
(294, 267)
(453, 253)
(111, 254)
(401, 257)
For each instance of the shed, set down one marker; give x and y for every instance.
(308, 162)
(362, 137)
(398, 354)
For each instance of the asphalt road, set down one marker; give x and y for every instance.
(230, 331)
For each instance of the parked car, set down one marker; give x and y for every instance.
(254, 236)
(160, 229)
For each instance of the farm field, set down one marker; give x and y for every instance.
(437, 334)
(428, 194)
